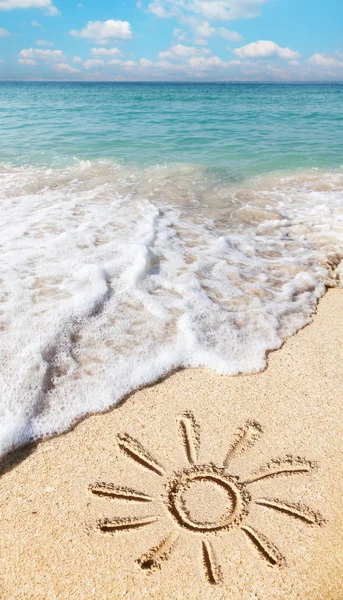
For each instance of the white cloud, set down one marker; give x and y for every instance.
(44, 43)
(93, 64)
(77, 59)
(201, 63)
(128, 65)
(189, 67)
(232, 36)
(185, 65)
(46, 5)
(179, 34)
(38, 54)
(65, 68)
(178, 51)
(200, 41)
(227, 9)
(105, 51)
(4, 32)
(321, 60)
(224, 10)
(103, 31)
(144, 62)
(205, 30)
(26, 61)
(265, 48)
(36, 24)
(287, 53)
(163, 9)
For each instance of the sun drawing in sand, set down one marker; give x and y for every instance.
(205, 481)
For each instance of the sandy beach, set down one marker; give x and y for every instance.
(200, 487)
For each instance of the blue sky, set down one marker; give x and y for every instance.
(148, 40)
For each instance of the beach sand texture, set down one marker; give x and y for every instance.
(200, 487)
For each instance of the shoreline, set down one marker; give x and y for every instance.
(334, 281)
(51, 547)
(218, 293)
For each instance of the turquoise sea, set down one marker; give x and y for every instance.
(149, 227)
(243, 129)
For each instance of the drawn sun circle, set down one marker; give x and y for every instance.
(227, 492)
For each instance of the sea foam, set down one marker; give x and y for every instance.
(112, 277)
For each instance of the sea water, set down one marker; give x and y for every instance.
(150, 227)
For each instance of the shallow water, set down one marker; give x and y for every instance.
(148, 227)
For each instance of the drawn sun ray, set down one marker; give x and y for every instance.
(190, 434)
(293, 510)
(266, 549)
(154, 558)
(124, 523)
(187, 494)
(212, 569)
(276, 467)
(246, 437)
(135, 450)
(111, 491)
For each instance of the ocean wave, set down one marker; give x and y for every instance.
(112, 276)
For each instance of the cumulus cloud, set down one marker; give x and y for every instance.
(178, 62)
(34, 54)
(200, 41)
(232, 36)
(105, 51)
(27, 61)
(179, 34)
(178, 51)
(46, 5)
(93, 64)
(128, 65)
(202, 63)
(321, 60)
(264, 49)
(104, 31)
(227, 9)
(4, 32)
(205, 30)
(189, 68)
(65, 68)
(44, 43)
(163, 9)
(224, 10)
(77, 59)
(144, 62)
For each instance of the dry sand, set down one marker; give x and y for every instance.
(149, 500)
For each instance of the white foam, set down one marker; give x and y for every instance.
(111, 278)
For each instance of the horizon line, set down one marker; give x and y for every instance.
(241, 81)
